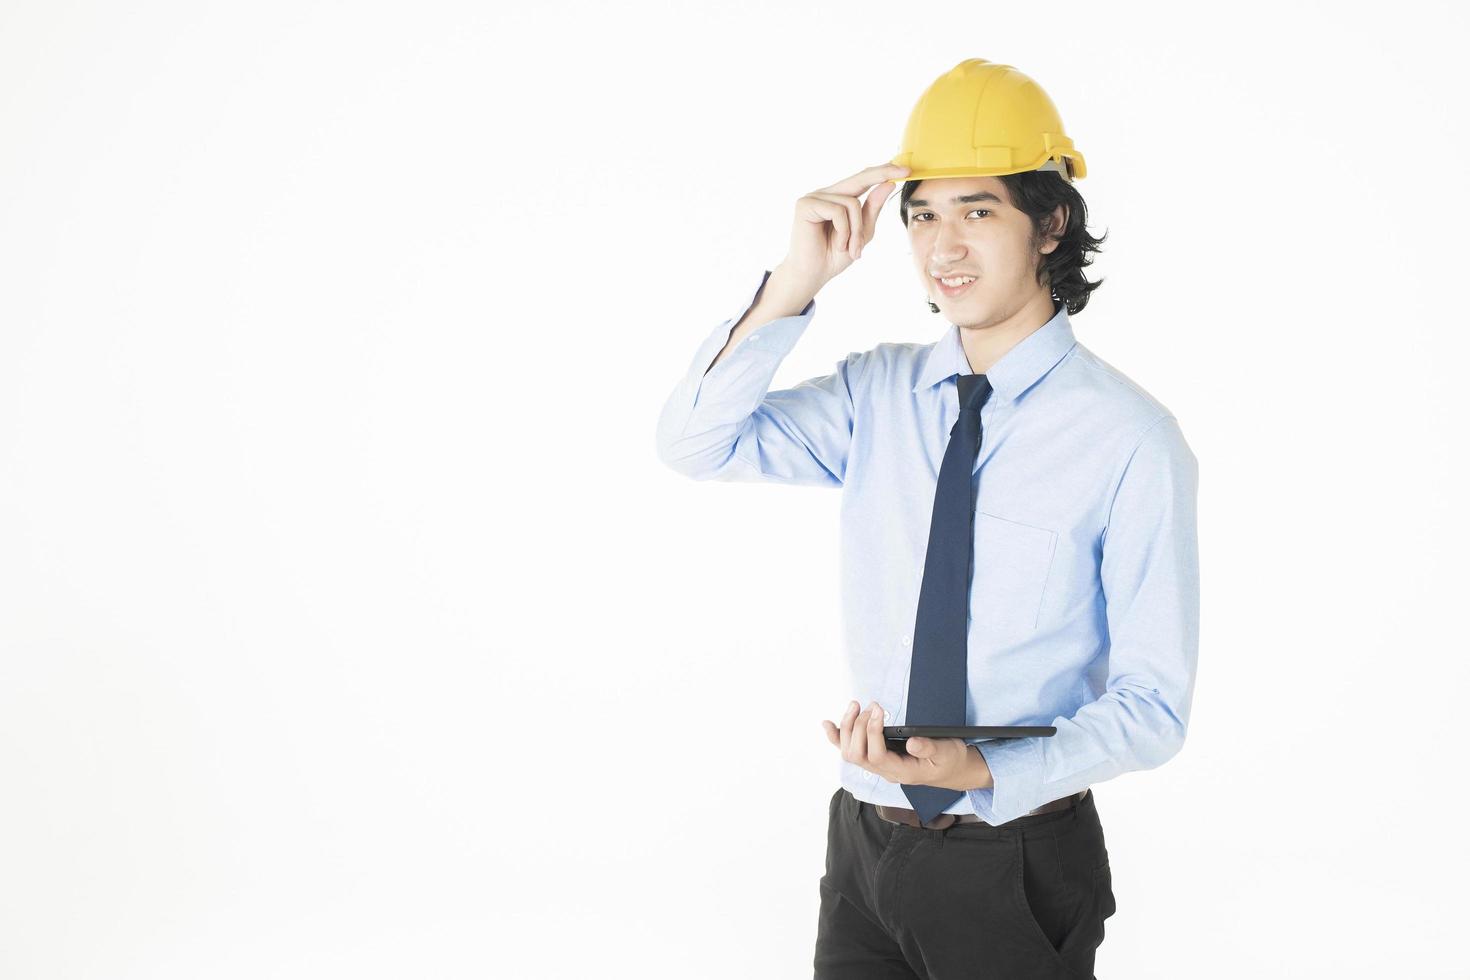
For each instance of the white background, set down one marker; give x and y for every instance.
(349, 625)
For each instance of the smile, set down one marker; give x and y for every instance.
(963, 283)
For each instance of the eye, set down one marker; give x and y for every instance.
(917, 215)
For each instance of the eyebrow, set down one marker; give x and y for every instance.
(914, 202)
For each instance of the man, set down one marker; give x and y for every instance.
(1018, 541)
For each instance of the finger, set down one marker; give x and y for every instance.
(855, 219)
(854, 739)
(824, 209)
(862, 736)
(845, 733)
(922, 751)
(841, 229)
(857, 740)
(877, 197)
(877, 747)
(830, 730)
(866, 178)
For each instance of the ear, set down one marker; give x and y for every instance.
(1058, 223)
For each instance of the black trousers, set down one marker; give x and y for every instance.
(1022, 901)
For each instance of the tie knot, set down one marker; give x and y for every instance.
(974, 390)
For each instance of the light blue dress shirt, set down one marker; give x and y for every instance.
(1084, 604)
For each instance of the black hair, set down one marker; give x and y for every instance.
(1037, 194)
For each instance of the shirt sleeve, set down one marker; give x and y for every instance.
(1150, 582)
(723, 422)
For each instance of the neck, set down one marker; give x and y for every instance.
(988, 341)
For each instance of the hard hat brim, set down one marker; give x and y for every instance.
(1075, 169)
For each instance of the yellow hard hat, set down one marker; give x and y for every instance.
(982, 119)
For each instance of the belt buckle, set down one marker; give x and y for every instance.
(940, 822)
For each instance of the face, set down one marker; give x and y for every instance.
(967, 227)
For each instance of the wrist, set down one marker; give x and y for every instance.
(792, 287)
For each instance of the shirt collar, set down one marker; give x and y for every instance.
(1018, 368)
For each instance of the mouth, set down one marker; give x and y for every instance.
(963, 283)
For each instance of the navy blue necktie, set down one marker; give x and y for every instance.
(937, 678)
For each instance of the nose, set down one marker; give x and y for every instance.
(949, 249)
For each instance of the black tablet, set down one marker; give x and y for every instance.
(900, 733)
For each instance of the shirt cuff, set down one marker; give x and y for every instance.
(776, 337)
(1016, 768)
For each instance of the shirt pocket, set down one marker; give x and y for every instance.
(1012, 563)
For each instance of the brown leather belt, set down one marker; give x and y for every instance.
(898, 814)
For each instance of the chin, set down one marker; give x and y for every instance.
(972, 319)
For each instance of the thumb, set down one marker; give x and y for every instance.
(918, 745)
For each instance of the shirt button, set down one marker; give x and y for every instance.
(887, 718)
(905, 641)
(754, 336)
